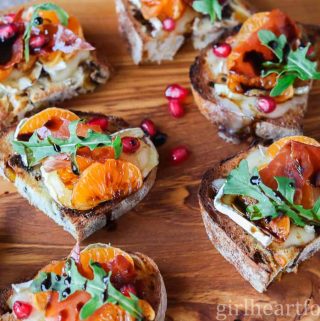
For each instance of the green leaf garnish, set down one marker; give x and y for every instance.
(36, 149)
(62, 16)
(290, 64)
(100, 288)
(269, 203)
(210, 7)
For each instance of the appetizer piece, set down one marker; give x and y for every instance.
(261, 208)
(255, 82)
(99, 283)
(217, 16)
(154, 30)
(44, 58)
(82, 170)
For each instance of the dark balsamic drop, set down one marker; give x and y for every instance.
(66, 292)
(56, 148)
(255, 180)
(46, 284)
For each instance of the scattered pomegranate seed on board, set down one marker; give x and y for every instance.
(176, 91)
(179, 154)
(175, 108)
(148, 127)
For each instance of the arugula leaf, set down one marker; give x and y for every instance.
(291, 64)
(282, 84)
(100, 288)
(62, 16)
(238, 183)
(36, 149)
(210, 7)
(270, 40)
(269, 203)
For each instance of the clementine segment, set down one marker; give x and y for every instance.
(103, 182)
(101, 255)
(42, 118)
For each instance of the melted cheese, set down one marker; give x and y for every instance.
(145, 158)
(63, 70)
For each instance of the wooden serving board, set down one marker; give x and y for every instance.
(167, 225)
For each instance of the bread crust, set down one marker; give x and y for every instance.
(154, 293)
(255, 263)
(261, 128)
(80, 224)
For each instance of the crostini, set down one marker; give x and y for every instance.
(99, 283)
(81, 169)
(261, 208)
(254, 82)
(44, 58)
(155, 30)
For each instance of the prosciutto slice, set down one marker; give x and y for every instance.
(300, 162)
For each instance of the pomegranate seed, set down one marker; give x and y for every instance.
(22, 310)
(159, 139)
(127, 289)
(266, 104)
(175, 108)
(102, 122)
(7, 31)
(311, 51)
(168, 24)
(8, 18)
(222, 51)
(148, 127)
(38, 41)
(130, 144)
(179, 154)
(176, 91)
(122, 270)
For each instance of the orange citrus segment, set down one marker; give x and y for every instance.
(5, 73)
(49, 16)
(101, 255)
(274, 148)
(66, 174)
(162, 9)
(280, 226)
(104, 182)
(39, 120)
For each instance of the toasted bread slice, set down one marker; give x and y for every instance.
(147, 41)
(235, 124)
(153, 292)
(256, 263)
(64, 67)
(205, 32)
(79, 223)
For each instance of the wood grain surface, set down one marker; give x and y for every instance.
(167, 225)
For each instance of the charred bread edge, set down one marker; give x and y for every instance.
(224, 243)
(160, 290)
(262, 128)
(80, 224)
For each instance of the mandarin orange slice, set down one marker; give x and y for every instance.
(101, 255)
(42, 118)
(274, 148)
(104, 182)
